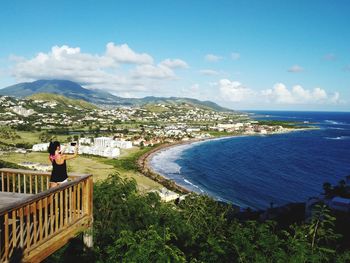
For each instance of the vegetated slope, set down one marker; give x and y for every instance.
(73, 90)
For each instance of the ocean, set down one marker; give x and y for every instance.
(255, 171)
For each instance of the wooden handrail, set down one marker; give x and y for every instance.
(51, 215)
(41, 195)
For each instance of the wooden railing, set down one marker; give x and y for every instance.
(44, 219)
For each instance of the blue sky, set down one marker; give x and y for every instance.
(292, 55)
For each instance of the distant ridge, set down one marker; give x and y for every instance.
(73, 90)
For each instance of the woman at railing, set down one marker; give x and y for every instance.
(59, 166)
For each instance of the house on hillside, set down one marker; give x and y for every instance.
(167, 195)
(40, 147)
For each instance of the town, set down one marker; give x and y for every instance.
(124, 126)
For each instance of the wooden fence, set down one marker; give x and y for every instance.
(43, 219)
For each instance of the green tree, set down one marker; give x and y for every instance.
(145, 246)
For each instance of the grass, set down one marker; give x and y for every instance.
(127, 167)
(99, 167)
(29, 137)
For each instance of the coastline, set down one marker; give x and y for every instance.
(145, 168)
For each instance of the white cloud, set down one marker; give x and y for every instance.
(296, 69)
(155, 72)
(280, 94)
(212, 58)
(118, 69)
(335, 98)
(235, 55)
(209, 72)
(124, 54)
(65, 62)
(234, 91)
(174, 63)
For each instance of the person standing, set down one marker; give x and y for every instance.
(59, 167)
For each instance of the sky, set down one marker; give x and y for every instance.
(249, 54)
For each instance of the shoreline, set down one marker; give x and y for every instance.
(143, 163)
(146, 169)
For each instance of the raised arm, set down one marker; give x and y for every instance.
(68, 157)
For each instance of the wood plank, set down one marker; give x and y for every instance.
(46, 248)
(36, 183)
(34, 223)
(14, 183)
(28, 227)
(42, 183)
(56, 210)
(11, 198)
(61, 209)
(21, 227)
(8, 182)
(70, 211)
(14, 229)
(30, 184)
(66, 206)
(6, 225)
(46, 222)
(41, 229)
(52, 217)
(78, 199)
(19, 183)
(25, 183)
(2, 181)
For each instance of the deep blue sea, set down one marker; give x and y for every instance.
(253, 171)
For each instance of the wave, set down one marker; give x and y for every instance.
(335, 122)
(338, 138)
(196, 186)
(335, 128)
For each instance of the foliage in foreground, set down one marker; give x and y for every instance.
(129, 227)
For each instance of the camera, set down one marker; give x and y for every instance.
(73, 144)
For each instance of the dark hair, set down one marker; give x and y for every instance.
(53, 147)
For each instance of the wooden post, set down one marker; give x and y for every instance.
(88, 236)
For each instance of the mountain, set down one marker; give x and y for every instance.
(66, 88)
(73, 90)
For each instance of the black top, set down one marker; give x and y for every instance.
(59, 172)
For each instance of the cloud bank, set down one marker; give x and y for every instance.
(118, 69)
(234, 91)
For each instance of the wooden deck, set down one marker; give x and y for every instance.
(8, 199)
(37, 220)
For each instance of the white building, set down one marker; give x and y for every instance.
(85, 141)
(188, 130)
(22, 111)
(233, 126)
(123, 144)
(108, 152)
(167, 195)
(103, 141)
(40, 147)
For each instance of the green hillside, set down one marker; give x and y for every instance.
(73, 90)
(62, 100)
